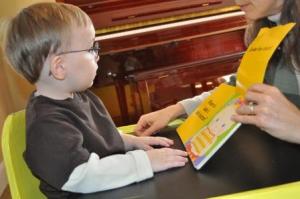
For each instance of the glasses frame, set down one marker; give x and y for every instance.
(95, 50)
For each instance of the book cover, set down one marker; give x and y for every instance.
(211, 124)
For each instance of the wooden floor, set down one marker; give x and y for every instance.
(6, 194)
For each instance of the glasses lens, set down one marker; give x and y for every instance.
(96, 44)
(96, 48)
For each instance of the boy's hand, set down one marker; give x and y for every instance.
(166, 158)
(145, 143)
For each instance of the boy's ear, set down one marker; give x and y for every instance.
(57, 68)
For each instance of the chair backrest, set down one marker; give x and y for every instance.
(23, 185)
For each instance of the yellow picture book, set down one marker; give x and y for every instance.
(210, 125)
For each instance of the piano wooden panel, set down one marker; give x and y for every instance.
(109, 13)
(169, 65)
(177, 57)
(155, 90)
(176, 32)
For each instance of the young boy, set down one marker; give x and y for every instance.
(72, 145)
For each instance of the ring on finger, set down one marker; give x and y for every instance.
(251, 106)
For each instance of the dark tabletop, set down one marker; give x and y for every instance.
(250, 159)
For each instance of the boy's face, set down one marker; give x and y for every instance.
(81, 67)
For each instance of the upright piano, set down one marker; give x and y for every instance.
(155, 53)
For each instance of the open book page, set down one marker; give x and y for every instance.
(210, 125)
(214, 130)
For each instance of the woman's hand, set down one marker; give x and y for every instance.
(150, 123)
(145, 143)
(272, 112)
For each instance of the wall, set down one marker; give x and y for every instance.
(14, 90)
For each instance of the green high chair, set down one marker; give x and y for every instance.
(22, 184)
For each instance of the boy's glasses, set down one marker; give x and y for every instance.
(95, 50)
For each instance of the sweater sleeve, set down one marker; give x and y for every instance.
(191, 104)
(109, 172)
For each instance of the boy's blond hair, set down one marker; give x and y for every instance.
(40, 30)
